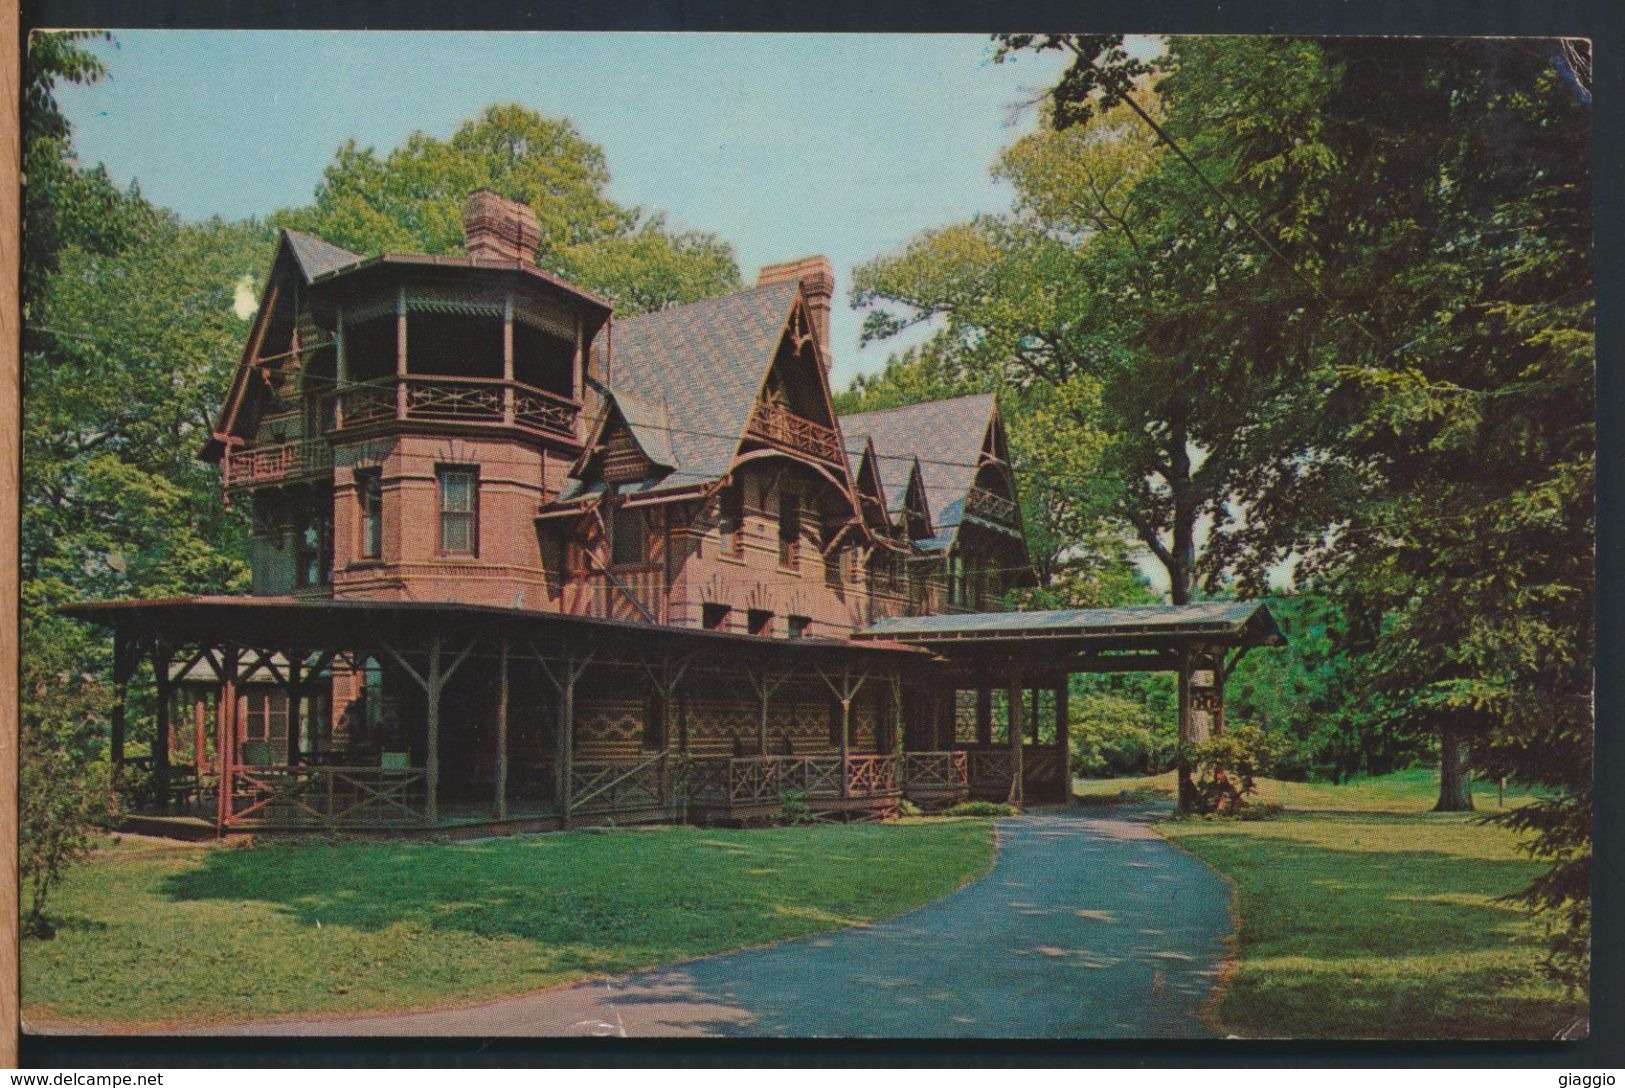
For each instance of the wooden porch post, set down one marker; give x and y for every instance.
(1063, 725)
(121, 682)
(433, 685)
(295, 677)
(1013, 733)
(225, 741)
(564, 685)
(432, 727)
(200, 734)
(845, 692)
(161, 724)
(502, 728)
(765, 684)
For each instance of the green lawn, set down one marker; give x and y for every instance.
(1413, 790)
(163, 936)
(1372, 917)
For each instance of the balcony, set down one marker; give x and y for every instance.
(484, 402)
(782, 427)
(285, 462)
(984, 505)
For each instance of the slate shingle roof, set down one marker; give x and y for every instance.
(946, 435)
(706, 362)
(315, 256)
(650, 424)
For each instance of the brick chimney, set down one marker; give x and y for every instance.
(494, 226)
(817, 278)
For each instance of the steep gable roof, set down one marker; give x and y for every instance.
(647, 420)
(316, 257)
(706, 362)
(946, 436)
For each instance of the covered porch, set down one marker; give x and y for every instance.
(348, 715)
(1000, 694)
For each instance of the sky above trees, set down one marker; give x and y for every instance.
(845, 145)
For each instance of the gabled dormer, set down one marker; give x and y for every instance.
(630, 443)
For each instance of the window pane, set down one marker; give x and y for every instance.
(457, 492)
(456, 533)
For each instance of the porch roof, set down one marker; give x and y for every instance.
(1073, 631)
(297, 623)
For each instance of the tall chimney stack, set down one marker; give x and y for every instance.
(494, 226)
(817, 278)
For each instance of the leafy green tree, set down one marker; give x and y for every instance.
(1422, 209)
(411, 200)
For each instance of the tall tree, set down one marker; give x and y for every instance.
(411, 200)
(1425, 205)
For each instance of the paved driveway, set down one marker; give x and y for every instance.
(1089, 926)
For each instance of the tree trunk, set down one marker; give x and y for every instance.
(1455, 785)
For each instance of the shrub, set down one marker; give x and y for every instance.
(905, 807)
(793, 811)
(61, 800)
(980, 808)
(1227, 766)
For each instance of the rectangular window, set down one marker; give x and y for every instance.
(459, 511)
(798, 626)
(965, 716)
(731, 521)
(715, 616)
(760, 621)
(313, 551)
(627, 537)
(789, 528)
(265, 728)
(369, 491)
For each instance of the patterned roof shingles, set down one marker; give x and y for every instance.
(706, 361)
(946, 436)
(1228, 617)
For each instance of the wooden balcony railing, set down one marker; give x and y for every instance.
(328, 797)
(284, 462)
(936, 770)
(611, 786)
(985, 504)
(745, 781)
(782, 427)
(484, 401)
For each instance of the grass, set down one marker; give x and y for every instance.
(1413, 790)
(155, 936)
(1364, 915)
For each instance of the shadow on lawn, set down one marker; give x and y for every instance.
(528, 890)
(1364, 902)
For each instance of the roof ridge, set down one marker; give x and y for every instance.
(707, 300)
(919, 404)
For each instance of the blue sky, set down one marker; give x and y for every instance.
(785, 145)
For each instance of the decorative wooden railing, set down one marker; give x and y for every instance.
(284, 462)
(619, 785)
(985, 504)
(782, 427)
(744, 781)
(991, 769)
(936, 770)
(485, 401)
(328, 797)
(1043, 764)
